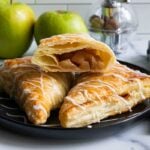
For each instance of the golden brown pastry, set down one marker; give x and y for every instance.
(35, 91)
(73, 53)
(97, 96)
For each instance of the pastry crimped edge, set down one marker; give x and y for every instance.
(78, 111)
(36, 92)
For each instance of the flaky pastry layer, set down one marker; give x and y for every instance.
(73, 53)
(97, 96)
(35, 91)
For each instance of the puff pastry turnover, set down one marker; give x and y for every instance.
(73, 53)
(97, 96)
(35, 91)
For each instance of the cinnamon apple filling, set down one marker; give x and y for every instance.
(73, 53)
(83, 59)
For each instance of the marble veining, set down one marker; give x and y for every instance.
(135, 136)
(134, 142)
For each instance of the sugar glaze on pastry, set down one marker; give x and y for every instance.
(35, 91)
(97, 96)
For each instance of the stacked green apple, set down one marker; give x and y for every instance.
(58, 22)
(17, 26)
(4, 2)
(16, 29)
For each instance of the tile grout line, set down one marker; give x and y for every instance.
(35, 3)
(67, 7)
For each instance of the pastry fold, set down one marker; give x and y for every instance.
(97, 96)
(73, 53)
(35, 91)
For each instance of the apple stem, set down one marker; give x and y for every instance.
(10, 1)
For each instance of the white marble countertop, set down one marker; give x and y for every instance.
(135, 136)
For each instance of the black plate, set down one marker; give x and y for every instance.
(12, 118)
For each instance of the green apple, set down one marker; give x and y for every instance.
(16, 29)
(58, 22)
(4, 2)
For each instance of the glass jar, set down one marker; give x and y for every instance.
(113, 22)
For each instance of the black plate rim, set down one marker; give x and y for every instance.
(121, 120)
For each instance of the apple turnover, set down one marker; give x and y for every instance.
(97, 96)
(73, 53)
(35, 91)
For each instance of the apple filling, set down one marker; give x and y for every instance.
(81, 59)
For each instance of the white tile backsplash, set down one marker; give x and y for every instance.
(140, 1)
(64, 1)
(142, 8)
(83, 10)
(25, 1)
(144, 36)
(39, 9)
(143, 13)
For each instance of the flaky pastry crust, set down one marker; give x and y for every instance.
(97, 96)
(73, 53)
(35, 91)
